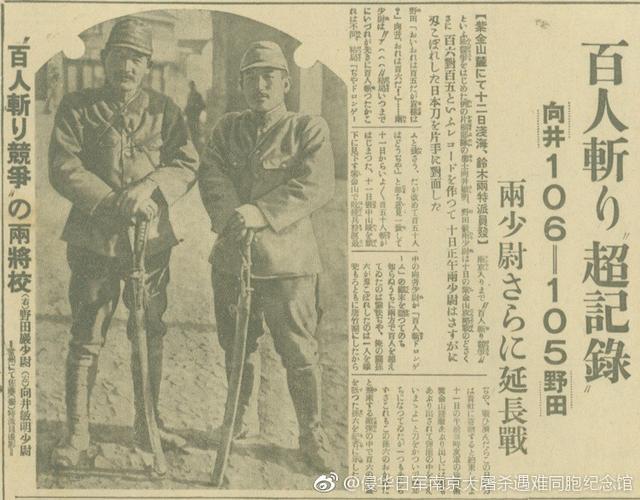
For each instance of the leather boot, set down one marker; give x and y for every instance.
(81, 371)
(305, 390)
(155, 347)
(247, 413)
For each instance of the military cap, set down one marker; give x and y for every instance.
(132, 33)
(264, 54)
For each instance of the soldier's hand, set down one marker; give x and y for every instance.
(135, 198)
(252, 216)
(147, 210)
(236, 229)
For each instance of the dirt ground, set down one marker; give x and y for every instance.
(194, 384)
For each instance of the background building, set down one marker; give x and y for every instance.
(176, 59)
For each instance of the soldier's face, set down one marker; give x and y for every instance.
(264, 88)
(125, 68)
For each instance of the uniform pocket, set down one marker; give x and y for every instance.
(277, 162)
(153, 143)
(149, 149)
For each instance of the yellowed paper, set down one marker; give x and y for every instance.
(458, 181)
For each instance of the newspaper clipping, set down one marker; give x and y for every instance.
(320, 250)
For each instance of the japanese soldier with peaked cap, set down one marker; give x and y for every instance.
(116, 152)
(269, 169)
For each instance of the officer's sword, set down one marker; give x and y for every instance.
(137, 318)
(243, 310)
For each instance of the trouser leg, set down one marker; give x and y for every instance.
(225, 291)
(93, 294)
(290, 310)
(305, 390)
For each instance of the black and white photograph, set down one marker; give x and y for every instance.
(192, 305)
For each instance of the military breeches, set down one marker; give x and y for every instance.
(289, 307)
(94, 292)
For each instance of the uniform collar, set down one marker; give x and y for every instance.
(135, 105)
(126, 115)
(264, 121)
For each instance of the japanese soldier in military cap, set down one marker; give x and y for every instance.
(269, 169)
(116, 153)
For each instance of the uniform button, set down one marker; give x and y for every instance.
(283, 164)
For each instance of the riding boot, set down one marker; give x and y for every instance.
(305, 390)
(246, 423)
(81, 371)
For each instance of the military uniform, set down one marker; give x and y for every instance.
(99, 147)
(281, 162)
